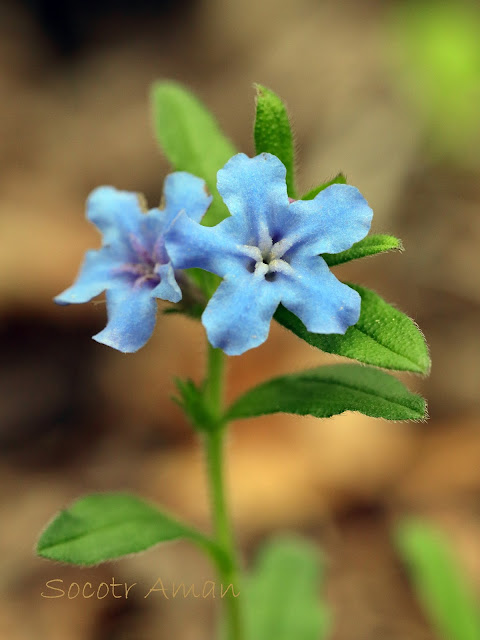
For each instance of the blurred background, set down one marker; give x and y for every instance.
(387, 92)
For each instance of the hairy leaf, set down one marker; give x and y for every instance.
(195, 405)
(369, 246)
(331, 390)
(383, 336)
(272, 132)
(339, 179)
(105, 526)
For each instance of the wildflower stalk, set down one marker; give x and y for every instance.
(214, 447)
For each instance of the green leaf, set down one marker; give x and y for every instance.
(272, 132)
(281, 596)
(383, 336)
(329, 391)
(339, 179)
(194, 311)
(194, 404)
(106, 526)
(441, 585)
(191, 140)
(369, 246)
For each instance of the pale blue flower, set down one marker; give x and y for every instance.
(267, 253)
(133, 265)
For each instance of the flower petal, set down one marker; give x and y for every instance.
(131, 318)
(95, 276)
(238, 315)
(185, 192)
(314, 294)
(168, 288)
(338, 217)
(214, 249)
(118, 214)
(254, 190)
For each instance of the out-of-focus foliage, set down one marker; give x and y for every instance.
(191, 139)
(281, 595)
(437, 47)
(441, 585)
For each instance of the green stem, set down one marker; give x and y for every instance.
(214, 381)
(214, 447)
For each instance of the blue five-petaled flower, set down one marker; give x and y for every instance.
(267, 253)
(133, 264)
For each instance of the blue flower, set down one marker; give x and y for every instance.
(268, 253)
(133, 264)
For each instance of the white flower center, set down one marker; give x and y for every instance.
(266, 259)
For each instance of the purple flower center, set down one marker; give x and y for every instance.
(142, 270)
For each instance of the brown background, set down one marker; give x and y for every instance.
(78, 417)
